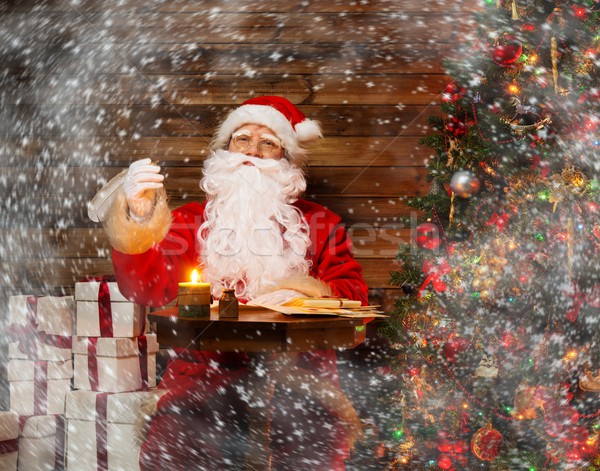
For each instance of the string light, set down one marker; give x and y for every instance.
(570, 355)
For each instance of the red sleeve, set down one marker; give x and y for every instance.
(151, 278)
(331, 254)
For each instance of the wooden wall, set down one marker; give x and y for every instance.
(90, 86)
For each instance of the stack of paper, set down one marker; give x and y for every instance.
(326, 306)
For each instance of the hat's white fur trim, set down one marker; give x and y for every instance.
(268, 116)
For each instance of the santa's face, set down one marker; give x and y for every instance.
(252, 235)
(257, 141)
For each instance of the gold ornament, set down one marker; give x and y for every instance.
(490, 283)
(527, 402)
(477, 283)
(588, 381)
(514, 11)
(570, 181)
(554, 59)
(574, 179)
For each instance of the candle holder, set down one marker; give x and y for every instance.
(193, 299)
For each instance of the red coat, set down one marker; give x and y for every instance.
(183, 434)
(151, 278)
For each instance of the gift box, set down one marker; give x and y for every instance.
(115, 364)
(105, 430)
(42, 443)
(39, 387)
(102, 311)
(40, 328)
(9, 440)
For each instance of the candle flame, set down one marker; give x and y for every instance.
(195, 276)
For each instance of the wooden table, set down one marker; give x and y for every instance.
(257, 330)
(268, 335)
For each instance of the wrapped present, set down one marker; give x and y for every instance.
(40, 328)
(42, 442)
(39, 387)
(102, 311)
(9, 440)
(115, 364)
(105, 430)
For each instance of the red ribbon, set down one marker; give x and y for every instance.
(499, 221)
(9, 446)
(92, 353)
(590, 297)
(102, 431)
(104, 306)
(92, 344)
(40, 388)
(104, 310)
(434, 273)
(29, 337)
(59, 442)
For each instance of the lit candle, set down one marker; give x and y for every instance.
(194, 298)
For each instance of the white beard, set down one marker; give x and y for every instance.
(252, 236)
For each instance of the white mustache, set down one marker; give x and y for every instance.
(236, 160)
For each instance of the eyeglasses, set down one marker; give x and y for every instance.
(265, 147)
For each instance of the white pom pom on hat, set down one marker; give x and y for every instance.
(288, 122)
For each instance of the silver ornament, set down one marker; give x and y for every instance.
(464, 184)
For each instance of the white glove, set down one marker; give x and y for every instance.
(142, 180)
(276, 298)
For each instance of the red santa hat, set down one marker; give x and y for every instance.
(287, 122)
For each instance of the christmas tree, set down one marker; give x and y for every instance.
(497, 358)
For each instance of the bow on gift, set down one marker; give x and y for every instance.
(499, 221)
(434, 273)
(452, 451)
(590, 297)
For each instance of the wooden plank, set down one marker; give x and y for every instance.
(127, 122)
(206, 6)
(89, 60)
(92, 242)
(81, 183)
(313, 58)
(239, 27)
(192, 151)
(350, 89)
(32, 211)
(46, 274)
(109, 89)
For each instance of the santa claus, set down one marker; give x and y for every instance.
(256, 235)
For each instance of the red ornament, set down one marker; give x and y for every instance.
(453, 92)
(427, 236)
(562, 415)
(456, 127)
(576, 434)
(553, 429)
(506, 51)
(444, 462)
(487, 443)
(573, 455)
(454, 346)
